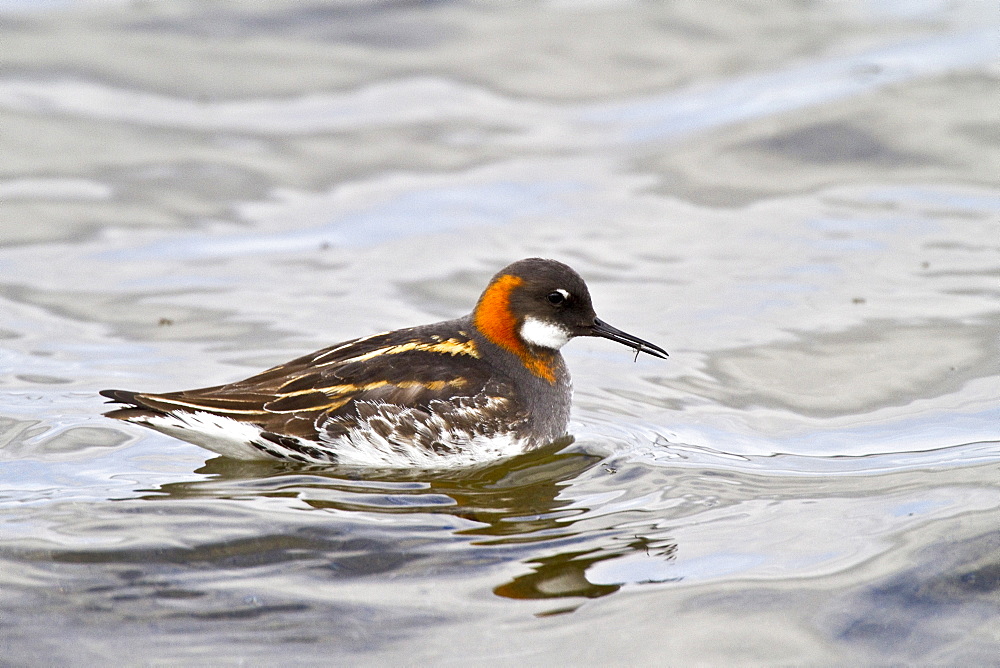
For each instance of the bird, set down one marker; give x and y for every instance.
(465, 392)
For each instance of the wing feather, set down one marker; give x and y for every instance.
(408, 368)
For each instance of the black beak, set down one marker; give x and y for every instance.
(603, 329)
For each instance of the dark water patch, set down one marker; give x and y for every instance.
(384, 25)
(836, 142)
(41, 379)
(981, 132)
(240, 621)
(245, 553)
(238, 614)
(950, 590)
(188, 189)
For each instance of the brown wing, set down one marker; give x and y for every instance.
(408, 368)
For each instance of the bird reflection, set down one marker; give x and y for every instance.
(515, 508)
(513, 498)
(565, 574)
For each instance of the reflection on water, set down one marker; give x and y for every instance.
(286, 551)
(515, 503)
(518, 496)
(565, 574)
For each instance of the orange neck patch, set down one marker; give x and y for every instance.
(494, 319)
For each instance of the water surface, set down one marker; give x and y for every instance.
(801, 204)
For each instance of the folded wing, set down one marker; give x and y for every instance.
(410, 369)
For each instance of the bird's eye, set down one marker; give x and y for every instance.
(557, 297)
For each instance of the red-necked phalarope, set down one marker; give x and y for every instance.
(485, 386)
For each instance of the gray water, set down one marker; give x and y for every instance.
(800, 201)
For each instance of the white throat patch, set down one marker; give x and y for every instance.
(544, 334)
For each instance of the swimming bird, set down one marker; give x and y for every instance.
(486, 386)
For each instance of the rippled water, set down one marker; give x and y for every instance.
(800, 201)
